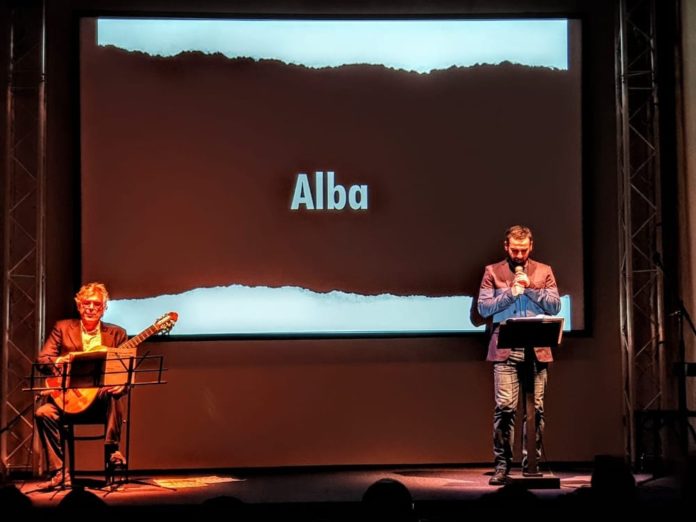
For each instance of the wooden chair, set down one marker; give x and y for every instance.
(95, 416)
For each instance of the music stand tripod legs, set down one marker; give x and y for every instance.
(531, 465)
(529, 332)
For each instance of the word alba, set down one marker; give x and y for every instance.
(334, 198)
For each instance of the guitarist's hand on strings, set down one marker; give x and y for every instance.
(61, 364)
(116, 391)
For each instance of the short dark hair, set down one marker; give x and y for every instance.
(518, 232)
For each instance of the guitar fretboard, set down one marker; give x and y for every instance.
(135, 341)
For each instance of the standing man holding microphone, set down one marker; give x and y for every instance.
(516, 287)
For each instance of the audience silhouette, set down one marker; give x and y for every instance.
(612, 485)
(14, 502)
(225, 507)
(388, 500)
(510, 496)
(79, 500)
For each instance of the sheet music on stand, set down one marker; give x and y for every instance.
(118, 367)
(540, 330)
(85, 370)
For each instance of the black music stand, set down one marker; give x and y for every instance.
(528, 332)
(95, 370)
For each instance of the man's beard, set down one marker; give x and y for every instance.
(514, 262)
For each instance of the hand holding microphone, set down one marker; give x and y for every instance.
(520, 277)
(520, 282)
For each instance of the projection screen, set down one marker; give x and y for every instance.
(325, 177)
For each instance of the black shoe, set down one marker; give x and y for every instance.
(499, 478)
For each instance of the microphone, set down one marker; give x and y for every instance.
(519, 270)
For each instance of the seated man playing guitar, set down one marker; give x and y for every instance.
(67, 338)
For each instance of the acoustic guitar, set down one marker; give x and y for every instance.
(77, 400)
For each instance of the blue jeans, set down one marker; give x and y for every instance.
(507, 377)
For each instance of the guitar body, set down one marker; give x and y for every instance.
(71, 400)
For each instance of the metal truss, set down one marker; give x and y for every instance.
(24, 209)
(640, 216)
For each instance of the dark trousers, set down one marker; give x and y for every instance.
(49, 421)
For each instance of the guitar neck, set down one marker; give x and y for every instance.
(135, 341)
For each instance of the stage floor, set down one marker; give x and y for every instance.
(317, 493)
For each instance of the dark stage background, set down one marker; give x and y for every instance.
(258, 403)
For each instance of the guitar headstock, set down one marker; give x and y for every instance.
(165, 323)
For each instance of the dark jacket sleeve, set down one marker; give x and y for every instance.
(118, 335)
(490, 303)
(51, 351)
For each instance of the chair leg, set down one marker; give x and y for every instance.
(108, 468)
(70, 436)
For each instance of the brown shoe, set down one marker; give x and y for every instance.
(117, 459)
(58, 482)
